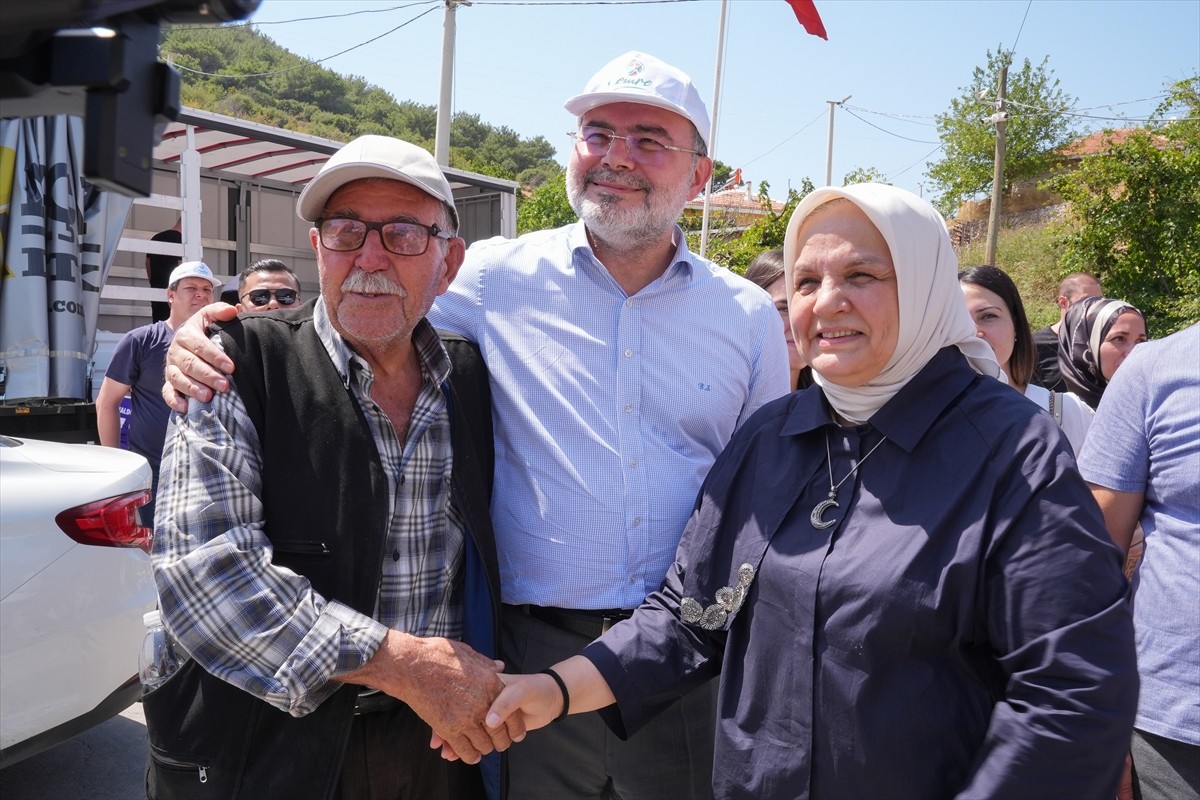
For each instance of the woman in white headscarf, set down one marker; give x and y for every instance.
(901, 578)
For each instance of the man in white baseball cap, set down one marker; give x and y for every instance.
(621, 364)
(323, 548)
(136, 370)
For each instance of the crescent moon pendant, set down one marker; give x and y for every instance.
(818, 511)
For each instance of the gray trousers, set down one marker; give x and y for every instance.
(1164, 769)
(579, 758)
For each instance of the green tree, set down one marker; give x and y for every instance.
(235, 70)
(546, 207)
(1135, 212)
(865, 175)
(721, 173)
(765, 233)
(1036, 127)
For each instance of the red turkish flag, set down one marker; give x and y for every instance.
(806, 15)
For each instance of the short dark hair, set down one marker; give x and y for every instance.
(265, 265)
(160, 262)
(996, 280)
(1073, 284)
(766, 267)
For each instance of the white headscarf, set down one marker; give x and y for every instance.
(933, 312)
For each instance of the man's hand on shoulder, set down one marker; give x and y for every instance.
(195, 366)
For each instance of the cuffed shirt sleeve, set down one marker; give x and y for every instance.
(246, 620)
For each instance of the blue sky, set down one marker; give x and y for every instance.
(902, 62)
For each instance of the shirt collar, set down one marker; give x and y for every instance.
(682, 262)
(435, 361)
(908, 416)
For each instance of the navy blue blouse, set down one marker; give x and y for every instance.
(962, 630)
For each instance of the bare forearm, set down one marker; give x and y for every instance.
(1121, 510)
(587, 687)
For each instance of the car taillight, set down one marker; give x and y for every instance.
(108, 523)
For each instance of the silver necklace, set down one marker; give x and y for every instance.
(820, 508)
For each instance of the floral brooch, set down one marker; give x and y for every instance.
(729, 600)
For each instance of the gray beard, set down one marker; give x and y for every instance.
(625, 229)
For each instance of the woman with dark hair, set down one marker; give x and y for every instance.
(995, 305)
(1096, 335)
(766, 270)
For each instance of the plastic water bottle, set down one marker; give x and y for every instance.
(160, 657)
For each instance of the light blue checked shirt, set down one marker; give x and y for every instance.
(609, 409)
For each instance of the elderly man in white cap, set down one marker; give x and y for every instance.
(621, 363)
(322, 549)
(136, 369)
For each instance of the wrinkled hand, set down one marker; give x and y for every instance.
(506, 712)
(196, 366)
(447, 684)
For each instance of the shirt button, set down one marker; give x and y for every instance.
(628, 353)
(628, 408)
(401, 479)
(637, 521)
(633, 579)
(633, 462)
(396, 555)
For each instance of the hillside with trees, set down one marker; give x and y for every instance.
(237, 71)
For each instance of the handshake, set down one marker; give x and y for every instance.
(472, 707)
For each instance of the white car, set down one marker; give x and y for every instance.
(74, 582)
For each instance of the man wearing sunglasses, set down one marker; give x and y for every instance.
(266, 285)
(323, 549)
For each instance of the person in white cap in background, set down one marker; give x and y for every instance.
(323, 549)
(137, 366)
(621, 364)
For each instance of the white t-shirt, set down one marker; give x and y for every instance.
(1076, 414)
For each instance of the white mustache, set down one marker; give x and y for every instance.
(361, 282)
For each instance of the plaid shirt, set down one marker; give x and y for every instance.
(262, 627)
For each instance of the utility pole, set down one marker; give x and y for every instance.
(829, 151)
(999, 119)
(441, 141)
(712, 128)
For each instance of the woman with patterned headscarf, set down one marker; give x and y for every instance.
(1096, 335)
(902, 581)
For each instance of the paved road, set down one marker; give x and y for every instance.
(105, 763)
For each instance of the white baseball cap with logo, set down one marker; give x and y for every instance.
(640, 78)
(375, 157)
(193, 269)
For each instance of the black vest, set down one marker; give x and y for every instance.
(325, 503)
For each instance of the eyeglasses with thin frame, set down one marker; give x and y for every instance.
(642, 148)
(342, 235)
(262, 297)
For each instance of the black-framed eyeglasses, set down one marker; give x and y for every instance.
(261, 297)
(341, 235)
(642, 147)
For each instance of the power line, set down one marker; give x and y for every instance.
(253, 23)
(315, 61)
(918, 161)
(1092, 116)
(885, 130)
(785, 141)
(903, 117)
(1013, 49)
